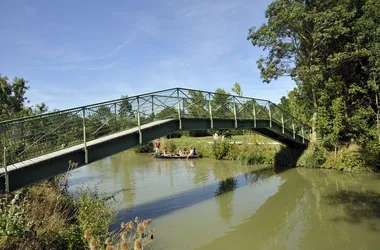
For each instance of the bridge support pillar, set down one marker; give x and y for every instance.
(210, 111)
(138, 120)
(153, 108)
(84, 136)
(5, 164)
(179, 110)
(282, 122)
(254, 113)
(303, 135)
(294, 130)
(270, 115)
(235, 114)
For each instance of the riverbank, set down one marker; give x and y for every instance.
(256, 149)
(247, 149)
(47, 216)
(349, 158)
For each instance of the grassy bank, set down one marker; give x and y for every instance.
(47, 216)
(248, 149)
(349, 157)
(256, 149)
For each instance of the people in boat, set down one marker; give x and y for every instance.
(157, 146)
(185, 151)
(165, 152)
(190, 153)
(180, 152)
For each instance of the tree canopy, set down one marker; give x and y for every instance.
(331, 50)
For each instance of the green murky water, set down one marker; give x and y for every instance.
(207, 204)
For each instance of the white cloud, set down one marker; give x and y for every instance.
(121, 46)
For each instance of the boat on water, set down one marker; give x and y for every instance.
(161, 156)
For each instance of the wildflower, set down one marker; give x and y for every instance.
(140, 228)
(92, 244)
(122, 225)
(150, 230)
(87, 234)
(124, 245)
(108, 241)
(131, 224)
(137, 245)
(123, 236)
(109, 248)
(137, 219)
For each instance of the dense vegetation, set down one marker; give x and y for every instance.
(331, 49)
(46, 215)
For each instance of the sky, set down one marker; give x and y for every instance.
(75, 53)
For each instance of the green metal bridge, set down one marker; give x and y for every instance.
(41, 146)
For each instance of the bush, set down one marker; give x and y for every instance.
(220, 149)
(145, 148)
(251, 158)
(174, 135)
(46, 216)
(170, 145)
(313, 157)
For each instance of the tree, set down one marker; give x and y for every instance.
(40, 108)
(125, 109)
(326, 47)
(237, 89)
(12, 98)
(196, 105)
(220, 104)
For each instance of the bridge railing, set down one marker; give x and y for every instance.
(33, 136)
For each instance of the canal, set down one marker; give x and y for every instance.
(207, 204)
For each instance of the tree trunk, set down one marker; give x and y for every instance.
(313, 139)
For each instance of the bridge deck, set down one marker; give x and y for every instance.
(76, 148)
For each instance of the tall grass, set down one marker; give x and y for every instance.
(47, 216)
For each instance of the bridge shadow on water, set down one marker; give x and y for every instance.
(157, 208)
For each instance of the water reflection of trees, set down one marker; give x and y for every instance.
(339, 199)
(225, 186)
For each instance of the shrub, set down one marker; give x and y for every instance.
(220, 149)
(145, 148)
(313, 157)
(170, 145)
(46, 216)
(251, 158)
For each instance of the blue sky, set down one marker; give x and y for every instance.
(81, 52)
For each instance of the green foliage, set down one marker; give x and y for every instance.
(12, 218)
(170, 145)
(93, 213)
(145, 148)
(331, 50)
(46, 216)
(12, 98)
(251, 158)
(220, 149)
(220, 104)
(197, 106)
(312, 157)
(237, 89)
(167, 113)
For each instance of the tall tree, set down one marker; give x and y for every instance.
(196, 105)
(237, 89)
(12, 97)
(220, 104)
(325, 46)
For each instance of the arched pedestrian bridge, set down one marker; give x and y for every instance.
(38, 147)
